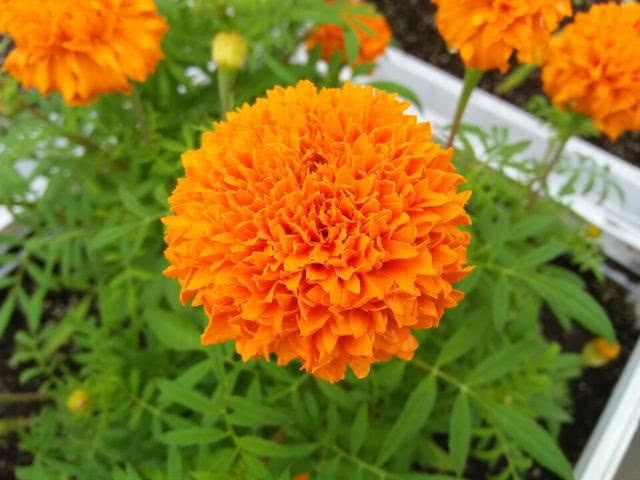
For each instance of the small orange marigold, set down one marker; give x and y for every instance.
(373, 31)
(319, 225)
(593, 66)
(82, 48)
(488, 32)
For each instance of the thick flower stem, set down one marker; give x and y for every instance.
(226, 85)
(471, 78)
(554, 154)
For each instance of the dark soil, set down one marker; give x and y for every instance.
(413, 24)
(10, 455)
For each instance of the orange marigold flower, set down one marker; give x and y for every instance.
(82, 49)
(488, 32)
(593, 67)
(373, 31)
(319, 225)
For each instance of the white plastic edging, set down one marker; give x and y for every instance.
(438, 92)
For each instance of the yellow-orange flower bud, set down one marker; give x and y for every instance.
(594, 231)
(229, 50)
(79, 400)
(599, 352)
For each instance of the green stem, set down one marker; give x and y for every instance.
(552, 158)
(226, 85)
(471, 78)
(140, 116)
(20, 397)
(516, 78)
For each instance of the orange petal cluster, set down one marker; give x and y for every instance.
(373, 31)
(488, 32)
(319, 225)
(82, 48)
(593, 66)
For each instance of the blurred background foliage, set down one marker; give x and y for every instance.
(128, 391)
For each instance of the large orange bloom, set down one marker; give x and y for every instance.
(82, 48)
(593, 66)
(373, 31)
(319, 225)
(488, 32)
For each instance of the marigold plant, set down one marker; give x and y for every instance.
(82, 49)
(593, 67)
(373, 31)
(319, 225)
(488, 32)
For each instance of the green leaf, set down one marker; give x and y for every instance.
(465, 338)
(530, 226)
(529, 436)
(173, 331)
(460, 432)
(500, 301)
(501, 363)
(185, 437)
(6, 311)
(413, 416)
(351, 44)
(359, 429)
(174, 463)
(567, 298)
(401, 90)
(279, 69)
(251, 414)
(336, 394)
(267, 448)
(543, 254)
(187, 397)
(108, 235)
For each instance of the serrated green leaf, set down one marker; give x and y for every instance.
(529, 436)
(542, 254)
(6, 311)
(567, 298)
(359, 429)
(279, 69)
(185, 437)
(176, 393)
(174, 463)
(530, 226)
(172, 330)
(268, 448)
(500, 301)
(501, 363)
(109, 235)
(460, 432)
(251, 414)
(461, 341)
(336, 394)
(411, 419)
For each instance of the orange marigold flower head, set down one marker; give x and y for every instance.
(488, 32)
(82, 49)
(593, 67)
(373, 31)
(319, 225)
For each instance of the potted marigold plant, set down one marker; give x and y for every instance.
(226, 262)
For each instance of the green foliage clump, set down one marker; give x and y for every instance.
(96, 313)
